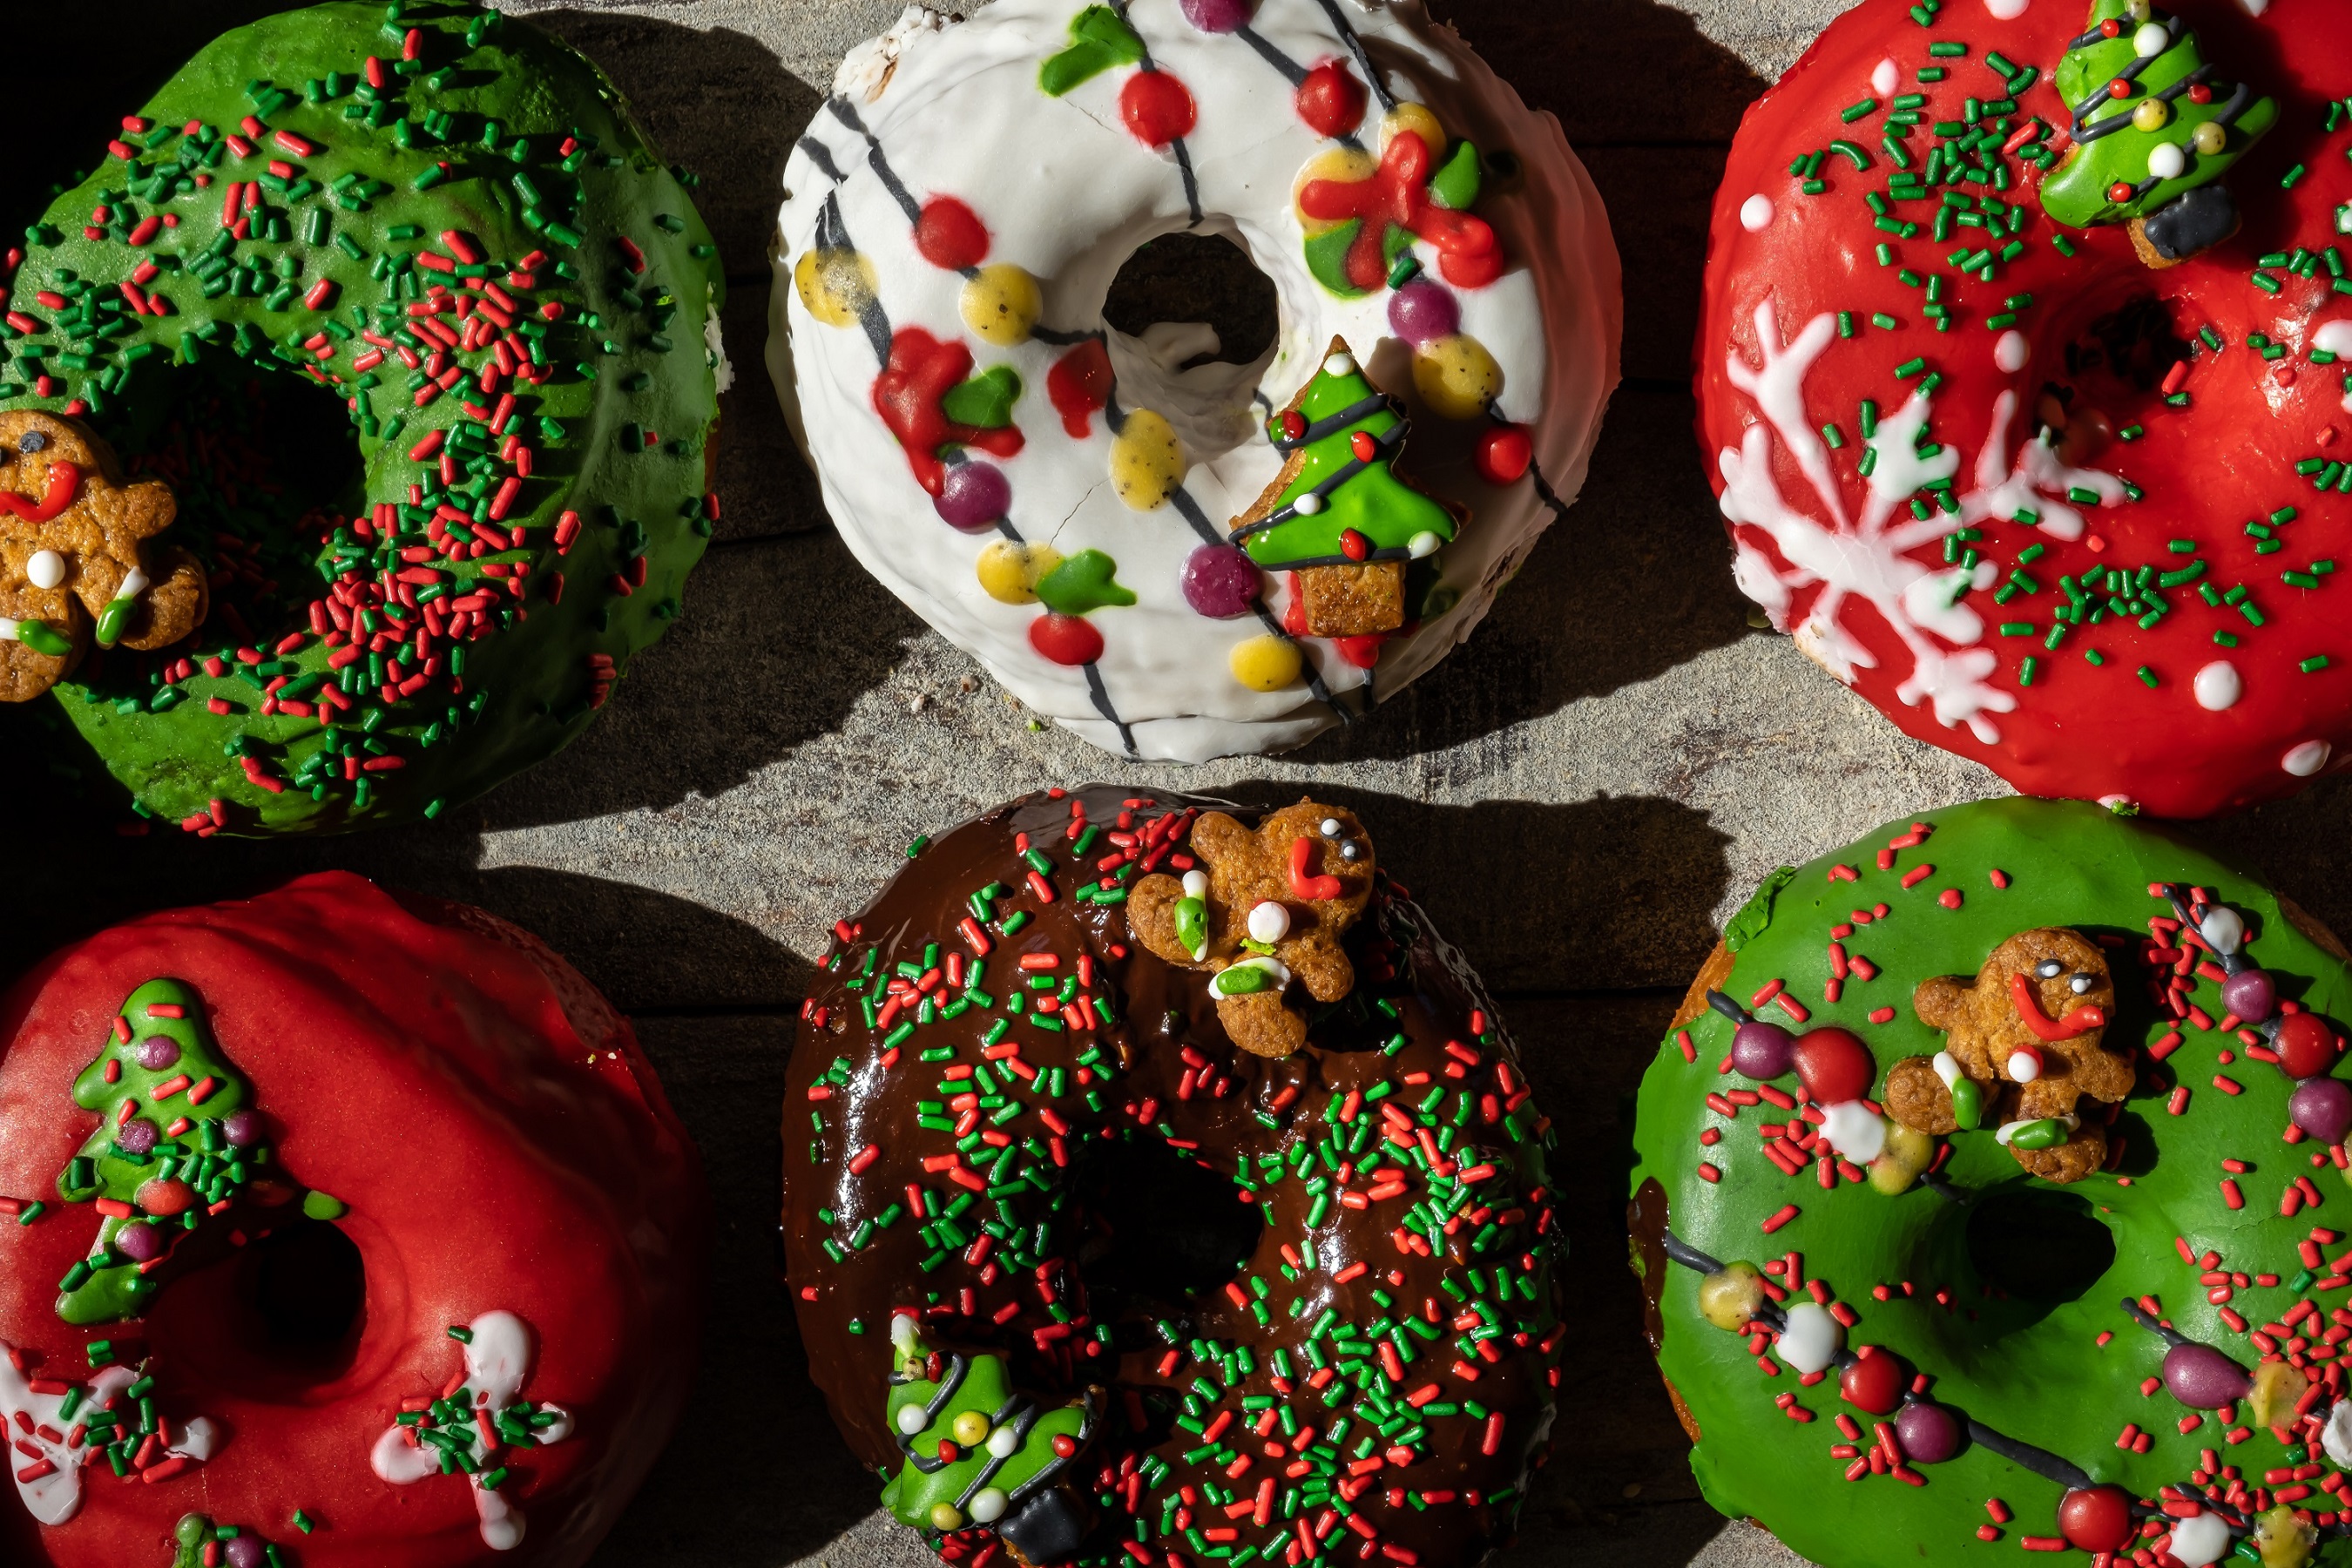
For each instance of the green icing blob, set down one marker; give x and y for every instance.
(319, 1206)
(2030, 1370)
(1374, 501)
(2076, 192)
(1757, 912)
(495, 102)
(1100, 39)
(985, 402)
(1086, 581)
(1192, 918)
(1327, 255)
(912, 1494)
(1456, 183)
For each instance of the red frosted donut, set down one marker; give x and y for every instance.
(2016, 377)
(311, 1190)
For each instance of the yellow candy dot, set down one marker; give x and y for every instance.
(1340, 165)
(1266, 663)
(1458, 377)
(2153, 114)
(1416, 118)
(969, 1428)
(2209, 138)
(1003, 304)
(835, 285)
(1146, 461)
(946, 1516)
(1010, 573)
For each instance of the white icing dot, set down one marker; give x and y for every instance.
(2151, 40)
(2006, 10)
(2025, 1067)
(2255, 8)
(2306, 759)
(1339, 364)
(1810, 1338)
(2165, 160)
(988, 1505)
(1196, 884)
(1755, 213)
(2218, 686)
(1855, 1131)
(1308, 505)
(1887, 79)
(7, 629)
(2224, 928)
(911, 1419)
(2012, 351)
(902, 1330)
(1269, 922)
(2336, 1439)
(2198, 1540)
(1423, 545)
(1003, 1443)
(46, 568)
(1948, 1067)
(134, 582)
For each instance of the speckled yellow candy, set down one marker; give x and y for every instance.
(1414, 117)
(1003, 304)
(1147, 460)
(1010, 573)
(1266, 663)
(835, 285)
(1457, 377)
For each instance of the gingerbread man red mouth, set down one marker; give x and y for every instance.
(2077, 1021)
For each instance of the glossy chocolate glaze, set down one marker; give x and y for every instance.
(844, 1306)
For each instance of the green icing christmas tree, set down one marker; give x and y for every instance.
(162, 1154)
(1397, 521)
(966, 1421)
(2181, 143)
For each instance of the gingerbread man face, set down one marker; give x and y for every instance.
(76, 561)
(1265, 910)
(2028, 1032)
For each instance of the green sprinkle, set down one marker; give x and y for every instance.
(2313, 665)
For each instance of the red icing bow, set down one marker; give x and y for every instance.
(1398, 193)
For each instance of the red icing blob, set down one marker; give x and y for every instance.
(2097, 1519)
(1065, 640)
(1331, 101)
(2305, 1045)
(1363, 650)
(503, 1146)
(1504, 454)
(1079, 386)
(1398, 193)
(922, 370)
(1157, 108)
(65, 483)
(1834, 1066)
(1873, 1382)
(950, 234)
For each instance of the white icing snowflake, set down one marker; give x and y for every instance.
(497, 1364)
(46, 1458)
(1870, 559)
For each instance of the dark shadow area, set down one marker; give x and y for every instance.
(2039, 1246)
(1599, 64)
(2305, 840)
(1168, 1231)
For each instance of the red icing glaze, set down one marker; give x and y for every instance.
(1398, 193)
(1157, 108)
(1065, 640)
(503, 1145)
(1079, 386)
(922, 370)
(2077, 729)
(950, 234)
(1331, 101)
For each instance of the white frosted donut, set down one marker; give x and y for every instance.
(954, 218)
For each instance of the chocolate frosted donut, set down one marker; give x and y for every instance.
(1029, 1077)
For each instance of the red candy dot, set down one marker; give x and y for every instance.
(1065, 640)
(1873, 1382)
(1064, 1444)
(2199, 93)
(1504, 454)
(2097, 1519)
(1834, 1066)
(2305, 1045)
(1294, 424)
(2121, 191)
(2111, 29)
(1158, 108)
(1363, 445)
(1354, 545)
(1330, 100)
(950, 234)
(2119, 88)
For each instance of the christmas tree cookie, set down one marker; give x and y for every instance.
(2155, 130)
(1338, 515)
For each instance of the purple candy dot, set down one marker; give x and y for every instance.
(240, 1127)
(1761, 1050)
(1215, 15)
(1222, 582)
(137, 1135)
(1929, 1434)
(244, 1551)
(1421, 312)
(2251, 996)
(2203, 1378)
(157, 1052)
(140, 1242)
(2322, 1107)
(973, 495)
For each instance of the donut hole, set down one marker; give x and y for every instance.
(1167, 1232)
(1197, 278)
(2112, 375)
(2038, 1247)
(276, 1318)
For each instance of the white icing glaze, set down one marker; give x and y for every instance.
(2198, 1540)
(1887, 79)
(2304, 760)
(497, 1364)
(722, 367)
(1068, 194)
(1810, 1338)
(2336, 1436)
(1855, 1131)
(1947, 1065)
(866, 71)
(2335, 338)
(2224, 928)
(2011, 353)
(2255, 7)
(2219, 686)
(53, 1497)
(2006, 10)
(1755, 213)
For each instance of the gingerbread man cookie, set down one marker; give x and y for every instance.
(76, 561)
(1264, 909)
(2023, 1045)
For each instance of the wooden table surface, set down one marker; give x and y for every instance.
(1579, 795)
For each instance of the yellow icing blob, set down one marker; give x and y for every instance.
(1414, 117)
(1266, 663)
(1347, 165)
(1457, 378)
(1010, 573)
(835, 285)
(2283, 1540)
(1146, 461)
(1003, 304)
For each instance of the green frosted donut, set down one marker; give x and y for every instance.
(404, 308)
(2141, 1354)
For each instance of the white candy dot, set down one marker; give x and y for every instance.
(2012, 351)
(1331, 827)
(1810, 1338)
(2151, 40)
(1887, 79)
(1423, 545)
(1003, 1443)
(988, 1505)
(2219, 686)
(1336, 364)
(2025, 1067)
(2006, 10)
(2198, 1540)
(1755, 214)
(911, 1419)
(2224, 928)
(1308, 505)
(2165, 160)
(1196, 884)
(46, 568)
(1269, 922)
(1855, 1131)
(2306, 759)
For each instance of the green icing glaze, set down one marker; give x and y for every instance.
(912, 1494)
(2032, 1370)
(2076, 192)
(1100, 39)
(1757, 912)
(470, 137)
(1373, 501)
(1087, 581)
